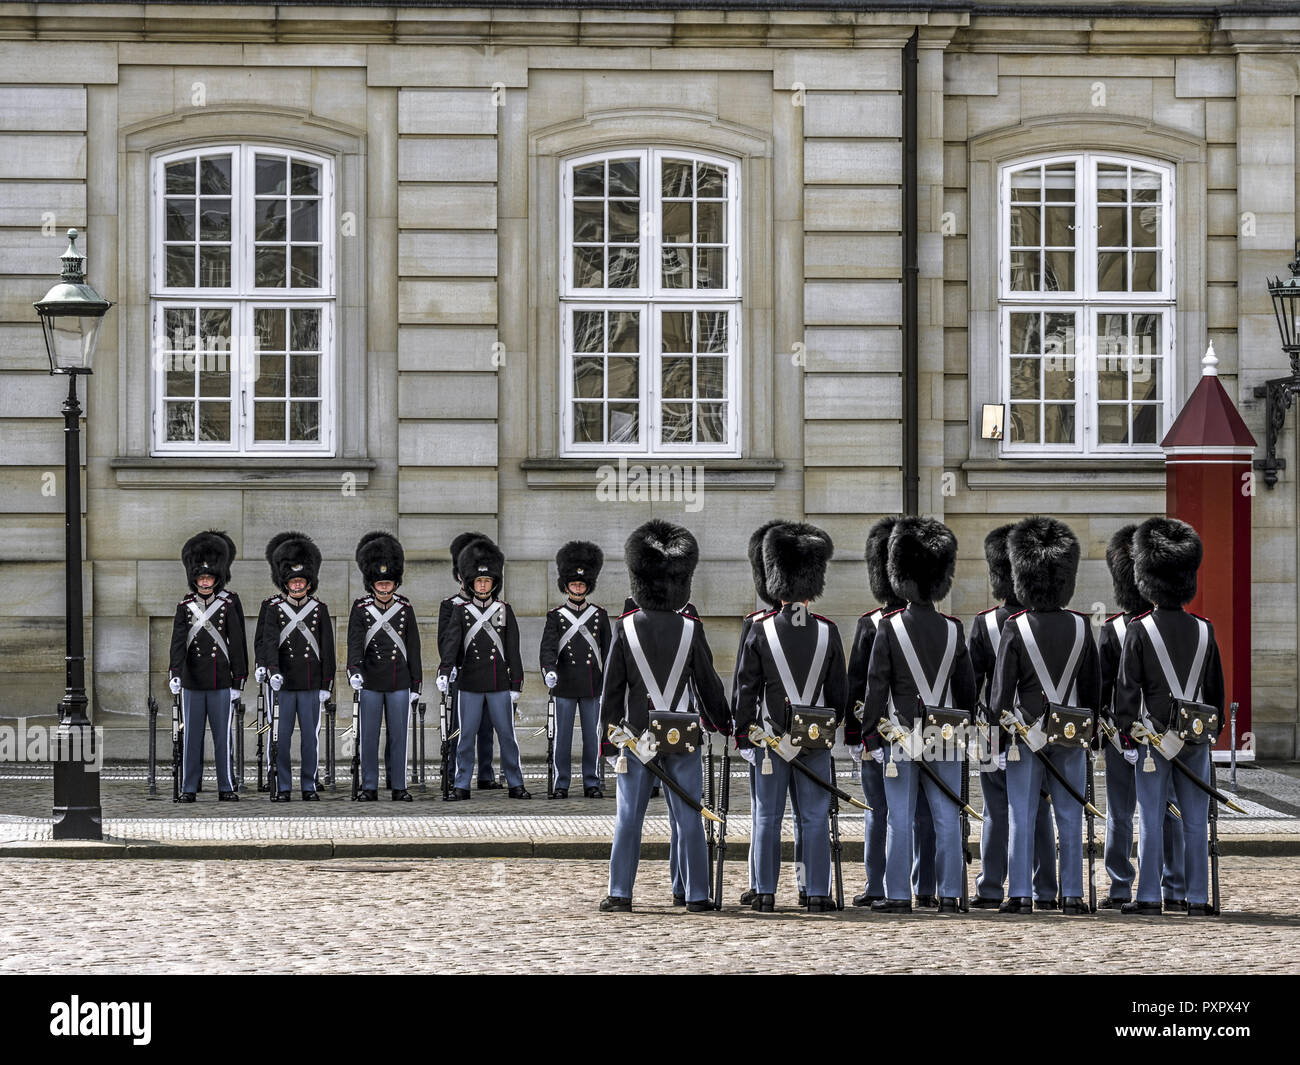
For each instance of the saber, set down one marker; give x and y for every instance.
(724, 802)
(153, 745)
(1140, 732)
(275, 746)
(550, 746)
(1089, 792)
(890, 732)
(964, 823)
(444, 727)
(1010, 722)
(259, 729)
(710, 795)
(757, 735)
(622, 737)
(178, 726)
(1214, 846)
(356, 743)
(837, 849)
(1112, 734)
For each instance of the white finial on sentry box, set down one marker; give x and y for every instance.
(1210, 363)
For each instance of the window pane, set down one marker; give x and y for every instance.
(624, 221)
(1112, 183)
(1024, 334)
(270, 376)
(214, 377)
(178, 326)
(214, 219)
(306, 179)
(214, 267)
(1058, 377)
(676, 423)
(1146, 186)
(678, 178)
(215, 325)
(1058, 183)
(180, 267)
(1024, 379)
(624, 331)
(214, 422)
(270, 219)
(711, 268)
(180, 422)
(1112, 271)
(1058, 423)
(1146, 335)
(588, 268)
(1025, 226)
(677, 223)
(1059, 274)
(713, 331)
(1146, 423)
(589, 221)
(710, 423)
(588, 423)
(306, 266)
(1146, 271)
(589, 180)
(306, 220)
(268, 421)
(304, 422)
(1145, 377)
(304, 329)
(180, 178)
(268, 324)
(1024, 423)
(589, 378)
(588, 331)
(676, 331)
(711, 223)
(1025, 271)
(214, 175)
(710, 180)
(1112, 227)
(677, 267)
(624, 267)
(304, 376)
(624, 427)
(1060, 227)
(625, 177)
(272, 174)
(1112, 423)
(1112, 380)
(270, 267)
(179, 378)
(676, 379)
(1059, 338)
(711, 378)
(622, 376)
(180, 219)
(1027, 185)
(1145, 226)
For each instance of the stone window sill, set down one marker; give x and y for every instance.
(588, 473)
(219, 472)
(1082, 474)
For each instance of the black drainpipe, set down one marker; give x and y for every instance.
(911, 338)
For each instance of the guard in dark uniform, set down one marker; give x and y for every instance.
(296, 649)
(1122, 752)
(1170, 695)
(658, 646)
(920, 652)
(870, 754)
(755, 552)
(985, 638)
(487, 780)
(482, 646)
(792, 660)
(383, 662)
(575, 642)
(209, 658)
(1046, 655)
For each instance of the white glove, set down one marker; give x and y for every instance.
(175, 685)
(856, 754)
(324, 697)
(234, 696)
(443, 684)
(277, 682)
(750, 754)
(455, 672)
(259, 674)
(551, 679)
(878, 753)
(1002, 761)
(415, 698)
(514, 702)
(612, 762)
(355, 681)
(1131, 756)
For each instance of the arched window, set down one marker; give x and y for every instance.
(1086, 304)
(650, 299)
(242, 296)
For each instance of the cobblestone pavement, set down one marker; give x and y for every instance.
(539, 916)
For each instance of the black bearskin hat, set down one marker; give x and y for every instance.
(293, 554)
(922, 558)
(661, 559)
(1119, 560)
(1166, 555)
(481, 558)
(578, 560)
(877, 556)
(794, 557)
(380, 558)
(756, 564)
(995, 554)
(208, 552)
(1044, 562)
(458, 545)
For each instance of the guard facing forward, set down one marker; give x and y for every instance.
(487, 780)
(209, 658)
(575, 642)
(792, 689)
(657, 656)
(295, 655)
(1170, 696)
(383, 662)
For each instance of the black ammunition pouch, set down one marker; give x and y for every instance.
(1195, 723)
(1068, 726)
(812, 728)
(675, 733)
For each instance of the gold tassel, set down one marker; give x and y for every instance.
(1013, 752)
(891, 770)
(621, 765)
(767, 764)
(1148, 763)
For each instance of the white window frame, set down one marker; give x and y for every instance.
(1087, 302)
(651, 298)
(243, 296)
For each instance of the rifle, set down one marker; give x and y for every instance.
(260, 724)
(1089, 793)
(237, 755)
(421, 747)
(444, 727)
(963, 820)
(1214, 847)
(550, 745)
(356, 743)
(724, 798)
(178, 726)
(331, 752)
(273, 773)
(710, 794)
(837, 850)
(153, 745)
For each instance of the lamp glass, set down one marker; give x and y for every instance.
(70, 341)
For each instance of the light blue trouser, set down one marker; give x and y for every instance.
(393, 709)
(203, 710)
(496, 706)
(1121, 800)
(995, 836)
(485, 771)
(1025, 780)
(901, 794)
(303, 707)
(875, 828)
(812, 811)
(633, 797)
(589, 712)
(1152, 794)
(799, 876)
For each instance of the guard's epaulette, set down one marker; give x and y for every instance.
(1139, 617)
(629, 613)
(1086, 617)
(362, 601)
(948, 616)
(890, 613)
(1195, 615)
(456, 600)
(223, 594)
(821, 617)
(1114, 616)
(755, 613)
(276, 599)
(693, 617)
(990, 610)
(1017, 613)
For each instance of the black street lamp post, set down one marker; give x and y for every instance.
(1280, 393)
(71, 315)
